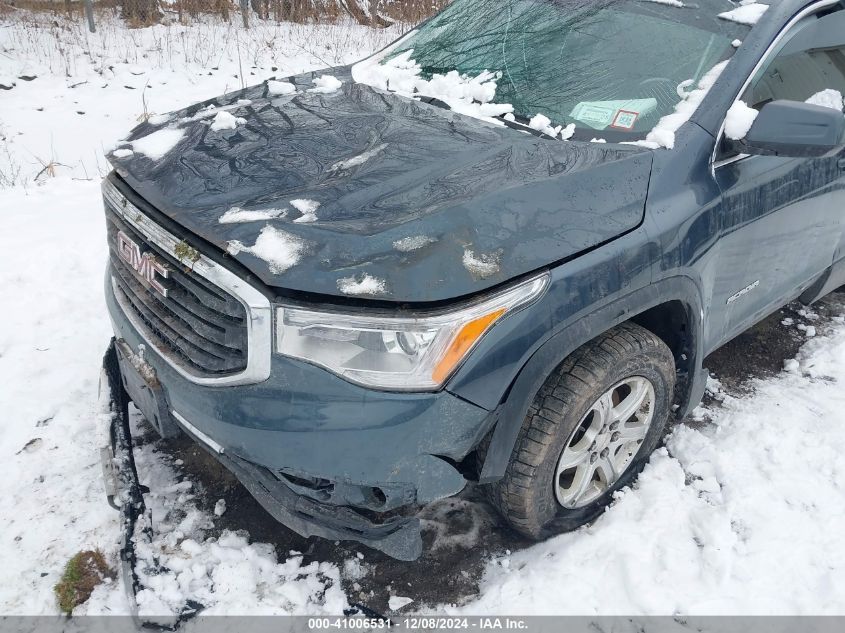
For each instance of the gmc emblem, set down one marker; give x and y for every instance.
(144, 264)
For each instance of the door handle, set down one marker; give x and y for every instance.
(841, 164)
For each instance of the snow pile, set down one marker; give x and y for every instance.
(230, 576)
(828, 99)
(741, 516)
(281, 250)
(471, 96)
(236, 215)
(157, 144)
(280, 88)
(122, 153)
(398, 602)
(543, 124)
(308, 209)
(52, 503)
(739, 120)
(413, 243)
(159, 119)
(226, 121)
(366, 285)
(326, 84)
(226, 574)
(663, 134)
(748, 13)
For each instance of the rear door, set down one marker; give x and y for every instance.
(782, 218)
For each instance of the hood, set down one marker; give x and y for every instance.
(353, 191)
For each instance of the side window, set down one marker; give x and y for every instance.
(807, 66)
(810, 62)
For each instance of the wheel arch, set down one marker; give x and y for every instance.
(671, 309)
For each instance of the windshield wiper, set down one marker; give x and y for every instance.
(519, 123)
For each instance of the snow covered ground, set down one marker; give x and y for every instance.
(742, 512)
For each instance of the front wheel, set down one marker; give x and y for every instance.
(588, 433)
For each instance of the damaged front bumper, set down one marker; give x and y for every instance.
(310, 506)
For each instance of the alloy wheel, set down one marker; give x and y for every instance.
(604, 443)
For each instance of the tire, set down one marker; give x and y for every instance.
(573, 411)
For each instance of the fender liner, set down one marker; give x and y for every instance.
(581, 329)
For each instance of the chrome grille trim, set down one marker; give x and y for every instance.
(258, 308)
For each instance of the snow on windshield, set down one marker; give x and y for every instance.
(467, 95)
(550, 67)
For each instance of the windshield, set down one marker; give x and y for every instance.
(614, 67)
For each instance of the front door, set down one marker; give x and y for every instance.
(782, 219)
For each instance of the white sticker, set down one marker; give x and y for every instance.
(601, 114)
(595, 114)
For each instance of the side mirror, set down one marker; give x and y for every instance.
(795, 129)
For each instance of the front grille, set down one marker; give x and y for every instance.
(197, 326)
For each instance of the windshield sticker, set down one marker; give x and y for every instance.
(625, 119)
(620, 113)
(593, 114)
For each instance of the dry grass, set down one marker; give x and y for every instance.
(405, 12)
(65, 47)
(82, 574)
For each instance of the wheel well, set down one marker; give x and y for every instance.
(670, 321)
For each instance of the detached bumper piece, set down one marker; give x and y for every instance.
(398, 537)
(131, 378)
(125, 492)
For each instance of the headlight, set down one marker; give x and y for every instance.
(409, 354)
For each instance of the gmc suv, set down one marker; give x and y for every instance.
(496, 251)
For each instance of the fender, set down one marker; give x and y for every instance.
(582, 329)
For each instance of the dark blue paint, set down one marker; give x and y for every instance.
(621, 231)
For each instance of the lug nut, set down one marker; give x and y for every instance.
(593, 458)
(605, 453)
(615, 436)
(614, 426)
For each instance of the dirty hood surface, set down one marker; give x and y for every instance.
(417, 202)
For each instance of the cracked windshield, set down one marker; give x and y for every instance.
(609, 67)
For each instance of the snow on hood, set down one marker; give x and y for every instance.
(323, 192)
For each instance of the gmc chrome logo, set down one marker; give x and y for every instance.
(144, 264)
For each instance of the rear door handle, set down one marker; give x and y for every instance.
(841, 164)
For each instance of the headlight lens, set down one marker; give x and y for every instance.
(408, 354)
